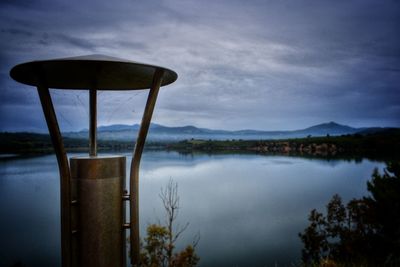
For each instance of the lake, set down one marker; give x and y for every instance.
(248, 209)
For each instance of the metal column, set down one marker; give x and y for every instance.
(65, 181)
(134, 173)
(100, 182)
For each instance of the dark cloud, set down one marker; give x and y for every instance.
(253, 64)
(64, 39)
(18, 3)
(14, 31)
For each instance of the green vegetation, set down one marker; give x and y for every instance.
(32, 143)
(382, 145)
(365, 232)
(386, 141)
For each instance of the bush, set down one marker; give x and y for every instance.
(158, 249)
(365, 232)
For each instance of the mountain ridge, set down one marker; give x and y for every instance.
(160, 132)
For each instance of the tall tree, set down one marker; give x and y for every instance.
(366, 231)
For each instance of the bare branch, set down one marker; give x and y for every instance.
(196, 240)
(179, 231)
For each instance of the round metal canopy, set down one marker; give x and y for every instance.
(90, 72)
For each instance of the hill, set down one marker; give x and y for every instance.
(159, 132)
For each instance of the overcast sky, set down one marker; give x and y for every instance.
(269, 65)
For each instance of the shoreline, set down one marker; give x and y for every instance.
(378, 145)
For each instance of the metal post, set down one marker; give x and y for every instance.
(100, 182)
(93, 123)
(65, 186)
(134, 173)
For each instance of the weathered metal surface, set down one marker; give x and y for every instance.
(100, 183)
(107, 73)
(134, 172)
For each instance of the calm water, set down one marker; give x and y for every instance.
(248, 209)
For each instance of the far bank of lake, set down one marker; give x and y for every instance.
(380, 145)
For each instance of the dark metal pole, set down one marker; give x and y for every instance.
(134, 173)
(93, 123)
(65, 186)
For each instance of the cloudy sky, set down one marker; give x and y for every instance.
(270, 65)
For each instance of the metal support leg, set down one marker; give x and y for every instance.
(93, 122)
(65, 186)
(134, 173)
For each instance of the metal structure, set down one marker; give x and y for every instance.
(92, 214)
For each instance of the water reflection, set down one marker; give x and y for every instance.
(247, 208)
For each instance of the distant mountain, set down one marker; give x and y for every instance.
(118, 128)
(331, 128)
(159, 132)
